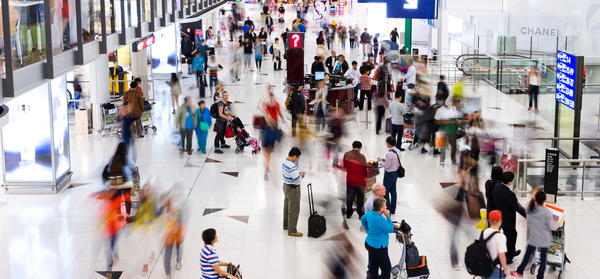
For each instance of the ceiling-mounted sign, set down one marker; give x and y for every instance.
(566, 78)
(425, 9)
(142, 44)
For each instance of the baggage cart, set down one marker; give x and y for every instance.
(400, 271)
(409, 133)
(556, 257)
(110, 123)
(147, 118)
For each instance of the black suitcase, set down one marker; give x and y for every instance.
(419, 270)
(316, 223)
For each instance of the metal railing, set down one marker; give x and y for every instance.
(573, 164)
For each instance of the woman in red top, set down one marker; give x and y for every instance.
(270, 133)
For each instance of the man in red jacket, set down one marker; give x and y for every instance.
(356, 178)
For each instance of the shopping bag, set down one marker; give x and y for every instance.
(482, 224)
(176, 138)
(440, 141)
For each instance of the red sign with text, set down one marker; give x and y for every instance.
(198, 32)
(295, 40)
(143, 44)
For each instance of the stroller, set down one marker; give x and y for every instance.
(235, 129)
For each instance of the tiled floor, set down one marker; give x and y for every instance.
(57, 236)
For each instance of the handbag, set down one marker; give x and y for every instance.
(401, 171)
(204, 126)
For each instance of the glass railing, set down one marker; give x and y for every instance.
(27, 34)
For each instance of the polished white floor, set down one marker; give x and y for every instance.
(57, 236)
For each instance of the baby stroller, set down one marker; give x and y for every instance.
(235, 129)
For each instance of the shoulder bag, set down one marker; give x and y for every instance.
(401, 171)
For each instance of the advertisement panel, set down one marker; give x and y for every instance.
(566, 76)
(426, 9)
(60, 126)
(26, 138)
(164, 59)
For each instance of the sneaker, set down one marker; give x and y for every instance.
(173, 111)
(178, 266)
(225, 146)
(455, 267)
(442, 164)
(297, 234)
(537, 110)
(218, 151)
(529, 108)
(436, 152)
(423, 150)
(145, 270)
(266, 177)
(189, 152)
(516, 274)
(518, 252)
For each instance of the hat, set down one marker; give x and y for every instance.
(495, 216)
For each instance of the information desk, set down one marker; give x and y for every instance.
(342, 97)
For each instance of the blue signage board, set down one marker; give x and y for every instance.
(426, 9)
(566, 77)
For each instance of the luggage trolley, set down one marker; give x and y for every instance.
(556, 257)
(399, 269)
(147, 118)
(410, 131)
(110, 124)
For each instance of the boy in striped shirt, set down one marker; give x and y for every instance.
(209, 260)
(291, 190)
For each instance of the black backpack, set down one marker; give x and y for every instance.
(214, 110)
(412, 255)
(289, 102)
(477, 258)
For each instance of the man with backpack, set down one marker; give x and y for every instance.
(383, 77)
(296, 104)
(219, 111)
(507, 203)
(487, 256)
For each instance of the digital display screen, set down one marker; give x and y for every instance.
(60, 127)
(319, 75)
(165, 55)
(26, 138)
(566, 76)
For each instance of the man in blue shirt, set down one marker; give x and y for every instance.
(378, 229)
(185, 120)
(203, 49)
(198, 64)
(291, 189)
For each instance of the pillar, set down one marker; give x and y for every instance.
(408, 35)
(99, 89)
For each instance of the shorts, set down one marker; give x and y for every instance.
(258, 57)
(270, 136)
(247, 58)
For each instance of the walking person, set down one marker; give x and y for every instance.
(121, 167)
(247, 45)
(364, 37)
(380, 99)
(442, 91)
(354, 74)
(298, 107)
(198, 64)
(236, 61)
(376, 47)
(270, 132)
(540, 224)
(391, 164)
(398, 111)
(343, 37)
(394, 35)
(447, 117)
(269, 23)
(175, 86)
(533, 80)
(133, 98)
(221, 122)
(320, 104)
(210, 264)
(276, 55)
(352, 37)
(355, 165)
(291, 189)
(378, 230)
(213, 69)
(174, 239)
(258, 54)
(496, 178)
(186, 122)
(507, 203)
(366, 84)
(204, 122)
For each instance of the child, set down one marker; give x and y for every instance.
(540, 223)
(204, 123)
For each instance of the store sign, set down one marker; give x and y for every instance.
(198, 32)
(296, 40)
(145, 43)
(566, 77)
(426, 9)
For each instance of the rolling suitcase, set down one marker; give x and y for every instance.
(419, 270)
(316, 223)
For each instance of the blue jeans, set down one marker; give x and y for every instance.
(530, 252)
(213, 81)
(202, 136)
(496, 274)
(389, 181)
(397, 132)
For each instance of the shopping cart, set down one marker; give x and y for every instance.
(556, 257)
